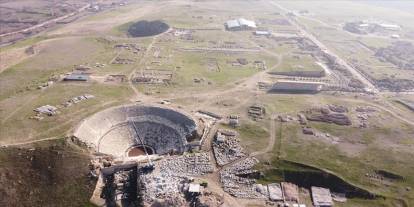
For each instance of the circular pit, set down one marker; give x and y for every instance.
(147, 28)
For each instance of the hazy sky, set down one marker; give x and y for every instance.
(404, 5)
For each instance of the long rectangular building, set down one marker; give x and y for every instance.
(296, 86)
(240, 24)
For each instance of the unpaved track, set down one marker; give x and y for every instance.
(353, 71)
(18, 109)
(11, 57)
(31, 142)
(140, 65)
(272, 138)
(70, 121)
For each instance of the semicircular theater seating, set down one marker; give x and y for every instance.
(115, 130)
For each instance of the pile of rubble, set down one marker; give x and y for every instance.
(263, 85)
(97, 164)
(45, 85)
(152, 76)
(190, 165)
(325, 115)
(163, 186)
(46, 109)
(235, 179)
(234, 121)
(285, 118)
(338, 108)
(82, 68)
(363, 113)
(77, 99)
(119, 60)
(171, 176)
(227, 149)
(50, 110)
(183, 34)
(256, 112)
(116, 78)
(129, 46)
(260, 64)
(302, 119)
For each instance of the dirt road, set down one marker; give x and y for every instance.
(139, 65)
(47, 22)
(368, 85)
(272, 138)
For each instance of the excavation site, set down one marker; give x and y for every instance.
(201, 103)
(147, 28)
(138, 130)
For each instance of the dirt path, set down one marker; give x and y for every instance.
(70, 121)
(31, 142)
(215, 186)
(272, 138)
(18, 109)
(139, 65)
(11, 57)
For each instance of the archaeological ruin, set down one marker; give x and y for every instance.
(118, 131)
(147, 28)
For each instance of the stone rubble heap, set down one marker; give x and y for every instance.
(235, 179)
(363, 113)
(47, 109)
(160, 186)
(172, 174)
(227, 149)
(77, 99)
(97, 164)
(256, 112)
(325, 115)
(338, 108)
(120, 180)
(190, 165)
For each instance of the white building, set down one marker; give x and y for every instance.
(262, 33)
(296, 86)
(240, 24)
(392, 27)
